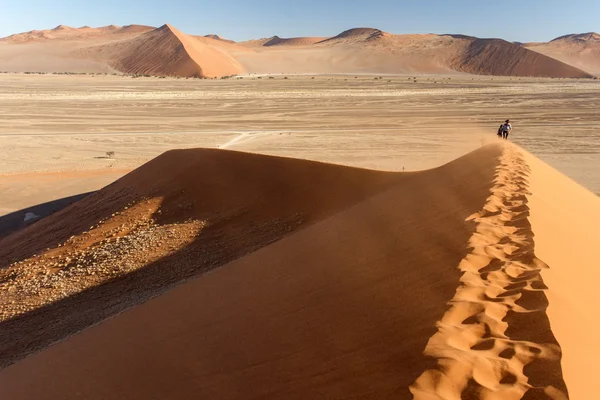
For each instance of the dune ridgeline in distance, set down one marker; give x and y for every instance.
(166, 51)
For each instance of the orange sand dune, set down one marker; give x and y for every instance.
(63, 32)
(298, 41)
(498, 57)
(196, 209)
(167, 51)
(367, 50)
(472, 280)
(342, 308)
(217, 37)
(581, 50)
(277, 41)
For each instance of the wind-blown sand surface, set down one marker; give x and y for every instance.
(463, 281)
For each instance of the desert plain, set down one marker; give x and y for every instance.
(56, 130)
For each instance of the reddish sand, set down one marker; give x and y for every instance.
(167, 51)
(345, 306)
(579, 50)
(472, 280)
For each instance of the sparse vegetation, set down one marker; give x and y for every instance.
(110, 154)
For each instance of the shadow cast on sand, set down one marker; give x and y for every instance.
(14, 221)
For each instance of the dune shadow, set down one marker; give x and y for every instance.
(16, 220)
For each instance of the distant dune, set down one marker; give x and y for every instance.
(579, 50)
(498, 57)
(299, 41)
(464, 281)
(63, 32)
(167, 51)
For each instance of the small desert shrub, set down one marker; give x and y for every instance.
(110, 154)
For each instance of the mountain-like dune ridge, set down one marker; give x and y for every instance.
(297, 41)
(63, 32)
(579, 50)
(167, 51)
(498, 57)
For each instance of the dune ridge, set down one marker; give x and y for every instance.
(498, 57)
(495, 340)
(166, 223)
(580, 50)
(343, 306)
(167, 51)
(65, 33)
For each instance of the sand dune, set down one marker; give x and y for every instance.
(342, 307)
(217, 37)
(498, 57)
(464, 281)
(298, 41)
(580, 50)
(211, 207)
(167, 51)
(63, 32)
(367, 50)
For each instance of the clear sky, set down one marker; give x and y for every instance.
(524, 20)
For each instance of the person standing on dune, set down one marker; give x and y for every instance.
(506, 129)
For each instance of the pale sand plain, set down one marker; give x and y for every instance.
(55, 130)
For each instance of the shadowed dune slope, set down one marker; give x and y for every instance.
(298, 41)
(498, 57)
(167, 51)
(218, 185)
(179, 215)
(341, 309)
(579, 50)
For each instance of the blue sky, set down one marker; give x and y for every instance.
(525, 20)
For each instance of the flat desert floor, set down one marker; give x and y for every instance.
(56, 130)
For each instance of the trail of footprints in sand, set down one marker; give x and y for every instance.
(495, 341)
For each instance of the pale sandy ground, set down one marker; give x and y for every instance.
(67, 123)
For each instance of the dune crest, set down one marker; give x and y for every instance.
(495, 340)
(167, 51)
(580, 50)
